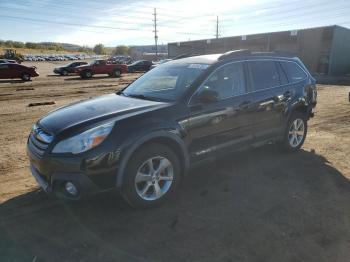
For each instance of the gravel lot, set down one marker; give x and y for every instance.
(256, 205)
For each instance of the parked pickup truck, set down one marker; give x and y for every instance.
(98, 67)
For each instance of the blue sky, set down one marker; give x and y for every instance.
(115, 22)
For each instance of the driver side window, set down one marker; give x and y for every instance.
(227, 81)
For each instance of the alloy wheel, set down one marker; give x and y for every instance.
(296, 133)
(25, 77)
(154, 178)
(117, 73)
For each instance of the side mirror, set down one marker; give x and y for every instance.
(207, 96)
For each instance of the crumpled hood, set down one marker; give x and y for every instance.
(95, 110)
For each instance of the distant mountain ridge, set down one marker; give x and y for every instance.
(65, 46)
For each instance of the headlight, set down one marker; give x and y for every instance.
(84, 141)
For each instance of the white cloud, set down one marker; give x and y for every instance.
(177, 21)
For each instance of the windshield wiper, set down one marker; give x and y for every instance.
(137, 96)
(143, 97)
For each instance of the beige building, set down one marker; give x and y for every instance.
(324, 50)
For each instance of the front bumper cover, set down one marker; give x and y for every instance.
(53, 183)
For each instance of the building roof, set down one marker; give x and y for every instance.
(258, 34)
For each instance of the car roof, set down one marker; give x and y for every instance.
(234, 55)
(202, 59)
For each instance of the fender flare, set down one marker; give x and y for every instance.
(144, 139)
(301, 103)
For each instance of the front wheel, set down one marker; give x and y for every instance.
(295, 133)
(25, 77)
(152, 174)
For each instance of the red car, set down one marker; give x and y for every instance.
(11, 70)
(97, 67)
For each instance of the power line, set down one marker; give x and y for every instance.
(72, 24)
(309, 9)
(84, 18)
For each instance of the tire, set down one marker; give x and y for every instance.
(87, 74)
(64, 73)
(155, 187)
(25, 77)
(117, 73)
(295, 133)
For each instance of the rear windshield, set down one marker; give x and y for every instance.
(166, 82)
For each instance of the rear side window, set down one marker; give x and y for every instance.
(293, 71)
(264, 74)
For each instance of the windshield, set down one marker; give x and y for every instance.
(93, 62)
(165, 82)
(135, 63)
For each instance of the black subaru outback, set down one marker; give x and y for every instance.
(143, 139)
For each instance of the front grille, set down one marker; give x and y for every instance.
(39, 141)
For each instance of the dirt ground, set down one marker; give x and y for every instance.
(256, 205)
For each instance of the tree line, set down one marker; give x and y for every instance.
(99, 49)
(30, 45)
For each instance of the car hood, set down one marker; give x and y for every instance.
(95, 110)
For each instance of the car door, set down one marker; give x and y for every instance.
(148, 65)
(4, 71)
(16, 70)
(269, 85)
(224, 123)
(72, 67)
(139, 66)
(95, 67)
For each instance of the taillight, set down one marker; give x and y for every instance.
(314, 94)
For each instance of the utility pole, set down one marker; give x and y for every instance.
(217, 27)
(155, 32)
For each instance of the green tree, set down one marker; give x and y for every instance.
(9, 43)
(85, 49)
(30, 45)
(99, 49)
(122, 50)
(18, 44)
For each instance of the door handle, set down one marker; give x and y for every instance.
(244, 105)
(287, 94)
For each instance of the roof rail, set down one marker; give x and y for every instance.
(234, 53)
(184, 56)
(246, 52)
(275, 53)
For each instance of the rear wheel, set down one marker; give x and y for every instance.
(64, 73)
(152, 174)
(117, 73)
(87, 74)
(295, 133)
(25, 77)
